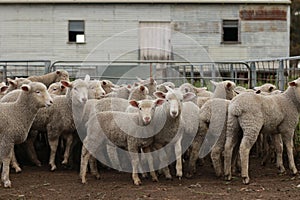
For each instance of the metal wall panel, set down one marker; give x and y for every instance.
(40, 31)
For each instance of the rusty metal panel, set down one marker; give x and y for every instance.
(263, 13)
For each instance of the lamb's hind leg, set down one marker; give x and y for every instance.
(279, 150)
(69, 140)
(14, 162)
(5, 156)
(247, 142)
(287, 138)
(53, 142)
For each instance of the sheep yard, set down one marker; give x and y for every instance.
(39, 183)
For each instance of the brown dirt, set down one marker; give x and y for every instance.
(40, 183)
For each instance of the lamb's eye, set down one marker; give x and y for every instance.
(38, 92)
(140, 108)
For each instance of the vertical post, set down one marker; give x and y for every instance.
(192, 74)
(184, 72)
(232, 73)
(47, 66)
(281, 75)
(213, 72)
(253, 75)
(5, 73)
(151, 70)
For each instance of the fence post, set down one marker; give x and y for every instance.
(232, 73)
(192, 74)
(281, 76)
(253, 74)
(47, 66)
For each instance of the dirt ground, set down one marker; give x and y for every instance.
(39, 183)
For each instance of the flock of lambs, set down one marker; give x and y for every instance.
(144, 118)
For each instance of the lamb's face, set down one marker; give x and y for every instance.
(296, 86)
(146, 108)
(57, 89)
(79, 92)
(95, 90)
(62, 75)
(39, 92)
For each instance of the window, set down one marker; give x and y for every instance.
(230, 31)
(76, 31)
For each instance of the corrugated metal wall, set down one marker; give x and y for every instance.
(41, 31)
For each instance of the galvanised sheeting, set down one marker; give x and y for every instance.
(40, 31)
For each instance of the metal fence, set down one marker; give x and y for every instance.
(176, 71)
(278, 71)
(23, 68)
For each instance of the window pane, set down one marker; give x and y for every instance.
(76, 26)
(230, 31)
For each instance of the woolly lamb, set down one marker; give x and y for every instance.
(121, 92)
(57, 88)
(114, 126)
(107, 86)
(162, 87)
(200, 92)
(51, 77)
(16, 83)
(16, 119)
(180, 118)
(273, 114)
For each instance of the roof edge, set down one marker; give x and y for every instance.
(151, 1)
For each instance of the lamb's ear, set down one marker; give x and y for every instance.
(66, 83)
(271, 89)
(228, 85)
(11, 82)
(213, 82)
(103, 82)
(87, 78)
(25, 87)
(139, 79)
(256, 88)
(3, 88)
(58, 72)
(160, 94)
(188, 96)
(293, 84)
(142, 88)
(134, 103)
(159, 102)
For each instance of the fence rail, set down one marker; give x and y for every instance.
(250, 73)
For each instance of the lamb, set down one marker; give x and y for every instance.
(107, 86)
(162, 87)
(51, 77)
(201, 92)
(16, 119)
(180, 119)
(150, 84)
(213, 117)
(57, 88)
(114, 126)
(273, 114)
(16, 83)
(121, 92)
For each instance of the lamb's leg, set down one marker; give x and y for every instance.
(194, 154)
(178, 153)
(231, 141)
(6, 154)
(150, 163)
(279, 151)
(69, 140)
(133, 151)
(287, 138)
(249, 139)
(14, 162)
(93, 167)
(163, 158)
(85, 156)
(30, 148)
(53, 142)
(216, 157)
